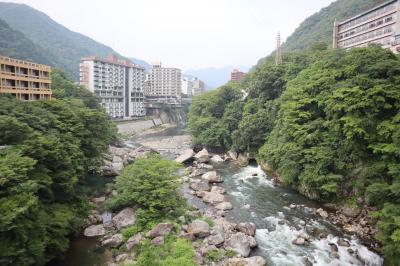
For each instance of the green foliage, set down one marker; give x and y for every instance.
(174, 251)
(151, 185)
(50, 146)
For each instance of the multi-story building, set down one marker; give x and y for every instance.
(237, 76)
(25, 80)
(379, 25)
(163, 85)
(118, 83)
(187, 87)
(198, 87)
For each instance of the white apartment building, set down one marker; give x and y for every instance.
(118, 83)
(163, 85)
(379, 25)
(198, 87)
(187, 87)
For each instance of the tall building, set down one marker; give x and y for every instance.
(25, 80)
(163, 85)
(237, 76)
(118, 83)
(379, 25)
(187, 87)
(198, 87)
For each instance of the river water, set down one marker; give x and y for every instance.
(255, 199)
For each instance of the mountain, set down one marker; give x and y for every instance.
(63, 47)
(214, 77)
(318, 27)
(15, 44)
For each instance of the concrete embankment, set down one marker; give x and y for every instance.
(137, 126)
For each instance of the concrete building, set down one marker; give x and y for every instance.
(379, 25)
(25, 80)
(118, 83)
(198, 87)
(163, 85)
(237, 76)
(187, 87)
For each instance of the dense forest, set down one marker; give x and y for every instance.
(46, 150)
(327, 122)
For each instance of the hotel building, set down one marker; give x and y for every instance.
(198, 87)
(237, 76)
(163, 85)
(379, 25)
(24, 80)
(118, 83)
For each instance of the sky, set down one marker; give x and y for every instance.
(188, 34)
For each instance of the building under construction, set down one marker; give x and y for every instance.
(24, 80)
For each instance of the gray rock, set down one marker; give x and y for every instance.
(243, 159)
(121, 257)
(117, 159)
(185, 156)
(217, 189)
(216, 159)
(198, 172)
(114, 241)
(350, 211)
(299, 241)
(343, 243)
(247, 228)
(216, 240)
(159, 240)
(206, 249)
(124, 218)
(334, 248)
(133, 241)
(200, 185)
(161, 229)
(252, 261)
(202, 156)
(212, 177)
(233, 155)
(240, 243)
(199, 228)
(212, 198)
(94, 230)
(322, 213)
(306, 261)
(224, 206)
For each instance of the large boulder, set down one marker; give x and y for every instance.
(200, 185)
(158, 241)
(124, 218)
(212, 177)
(224, 206)
(350, 211)
(212, 197)
(199, 228)
(217, 189)
(94, 230)
(247, 228)
(216, 159)
(215, 240)
(322, 213)
(240, 243)
(198, 172)
(202, 156)
(133, 241)
(233, 155)
(243, 159)
(252, 261)
(161, 229)
(186, 155)
(114, 241)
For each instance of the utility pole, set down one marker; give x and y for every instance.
(278, 54)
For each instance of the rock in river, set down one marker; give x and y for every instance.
(252, 261)
(240, 243)
(199, 185)
(247, 228)
(185, 156)
(124, 218)
(212, 177)
(114, 241)
(224, 206)
(212, 198)
(202, 156)
(94, 230)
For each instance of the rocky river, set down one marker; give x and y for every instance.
(289, 230)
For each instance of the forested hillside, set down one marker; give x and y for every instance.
(46, 151)
(327, 122)
(63, 47)
(15, 44)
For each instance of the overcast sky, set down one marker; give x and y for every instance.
(184, 33)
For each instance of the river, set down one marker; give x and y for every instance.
(255, 199)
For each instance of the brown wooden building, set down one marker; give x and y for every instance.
(26, 81)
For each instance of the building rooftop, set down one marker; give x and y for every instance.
(112, 60)
(25, 63)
